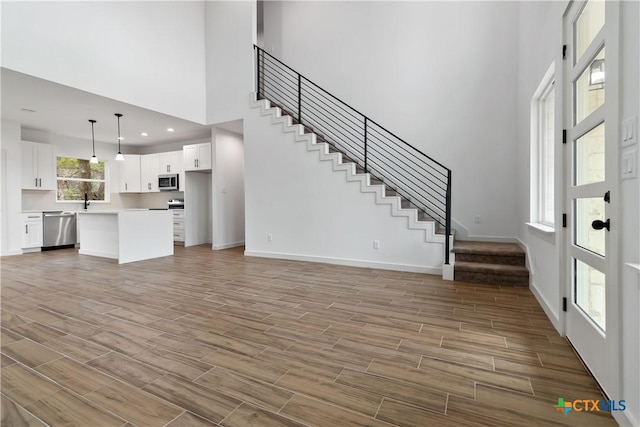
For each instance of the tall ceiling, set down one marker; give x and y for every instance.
(62, 110)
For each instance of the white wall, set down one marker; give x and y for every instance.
(228, 190)
(315, 214)
(150, 54)
(441, 75)
(539, 43)
(629, 194)
(230, 35)
(10, 197)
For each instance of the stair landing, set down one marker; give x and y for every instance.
(491, 263)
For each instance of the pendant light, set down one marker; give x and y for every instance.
(94, 159)
(119, 156)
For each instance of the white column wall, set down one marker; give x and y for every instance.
(228, 190)
(10, 197)
(440, 75)
(150, 54)
(230, 35)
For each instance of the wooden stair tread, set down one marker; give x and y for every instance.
(488, 248)
(477, 267)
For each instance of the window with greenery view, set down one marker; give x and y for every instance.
(77, 176)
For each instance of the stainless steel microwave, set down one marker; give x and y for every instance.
(168, 182)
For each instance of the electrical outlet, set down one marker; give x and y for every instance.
(270, 237)
(477, 219)
(376, 244)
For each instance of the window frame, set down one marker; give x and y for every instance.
(546, 145)
(106, 180)
(543, 144)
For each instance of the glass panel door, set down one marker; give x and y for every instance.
(590, 177)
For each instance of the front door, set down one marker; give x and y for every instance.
(591, 196)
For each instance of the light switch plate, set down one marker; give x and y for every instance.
(629, 164)
(629, 135)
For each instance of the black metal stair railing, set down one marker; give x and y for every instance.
(413, 175)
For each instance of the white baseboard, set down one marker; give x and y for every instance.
(98, 253)
(625, 419)
(13, 252)
(348, 262)
(31, 250)
(555, 320)
(227, 246)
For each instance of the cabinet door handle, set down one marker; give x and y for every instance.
(40, 181)
(36, 182)
(125, 186)
(168, 168)
(26, 229)
(195, 163)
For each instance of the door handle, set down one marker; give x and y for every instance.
(599, 225)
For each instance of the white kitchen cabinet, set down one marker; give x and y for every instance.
(197, 157)
(178, 225)
(38, 166)
(149, 167)
(170, 163)
(31, 230)
(129, 171)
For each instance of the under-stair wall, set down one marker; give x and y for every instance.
(312, 212)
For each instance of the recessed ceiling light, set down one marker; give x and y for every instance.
(144, 134)
(169, 129)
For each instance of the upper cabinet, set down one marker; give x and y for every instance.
(170, 163)
(38, 166)
(139, 173)
(197, 157)
(149, 167)
(129, 174)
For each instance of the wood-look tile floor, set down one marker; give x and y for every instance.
(215, 338)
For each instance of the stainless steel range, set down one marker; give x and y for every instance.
(175, 203)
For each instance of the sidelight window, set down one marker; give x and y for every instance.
(542, 151)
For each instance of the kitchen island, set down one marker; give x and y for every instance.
(126, 235)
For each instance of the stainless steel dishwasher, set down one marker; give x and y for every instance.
(59, 230)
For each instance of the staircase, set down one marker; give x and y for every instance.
(492, 263)
(385, 195)
(413, 184)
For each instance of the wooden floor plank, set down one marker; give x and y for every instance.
(15, 415)
(64, 408)
(200, 400)
(208, 338)
(250, 416)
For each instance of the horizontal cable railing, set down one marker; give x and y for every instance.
(414, 176)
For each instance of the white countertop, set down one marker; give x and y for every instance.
(114, 211)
